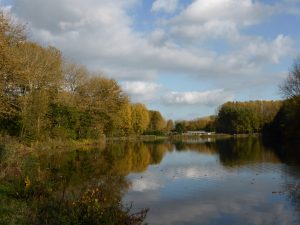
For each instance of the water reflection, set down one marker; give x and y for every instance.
(82, 186)
(290, 155)
(233, 181)
(189, 181)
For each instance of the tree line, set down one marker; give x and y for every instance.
(245, 117)
(203, 124)
(42, 95)
(234, 118)
(278, 120)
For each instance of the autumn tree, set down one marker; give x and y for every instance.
(74, 76)
(29, 76)
(43, 96)
(157, 122)
(12, 74)
(41, 87)
(169, 126)
(204, 123)
(140, 118)
(102, 98)
(122, 123)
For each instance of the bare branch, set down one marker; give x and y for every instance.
(291, 87)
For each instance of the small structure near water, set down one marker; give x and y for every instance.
(198, 132)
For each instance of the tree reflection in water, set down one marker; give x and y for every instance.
(86, 186)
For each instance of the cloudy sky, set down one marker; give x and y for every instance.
(182, 57)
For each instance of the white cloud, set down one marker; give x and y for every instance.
(102, 35)
(168, 6)
(158, 37)
(241, 12)
(99, 34)
(207, 98)
(198, 172)
(219, 19)
(213, 29)
(148, 182)
(141, 91)
(272, 51)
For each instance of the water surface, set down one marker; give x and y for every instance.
(189, 181)
(218, 182)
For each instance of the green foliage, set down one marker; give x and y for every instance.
(240, 151)
(245, 117)
(291, 120)
(11, 125)
(179, 128)
(64, 121)
(88, 127)
(155, 132)
(286, 124)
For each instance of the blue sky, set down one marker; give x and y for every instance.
(181, 57)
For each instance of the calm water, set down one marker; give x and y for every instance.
(218, 182)
(192, 181)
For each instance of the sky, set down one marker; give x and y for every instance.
(181, 57)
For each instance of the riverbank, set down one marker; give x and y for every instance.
(44, 145)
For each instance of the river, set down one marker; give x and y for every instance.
(188, 181)
(205, 181)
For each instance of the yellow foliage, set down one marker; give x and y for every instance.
(27, 182)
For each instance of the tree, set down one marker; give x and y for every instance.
(204, 123)
(157, 122)
(246, 117)
(286, 124)
(42, 96)
(29, 78)
(102, 98)
(11, 71)
(169, 126)
(140, 118)
(123, 120)
(43, 78)
(74, 76)
(63, 121)
(179, 128)
(291, 87)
